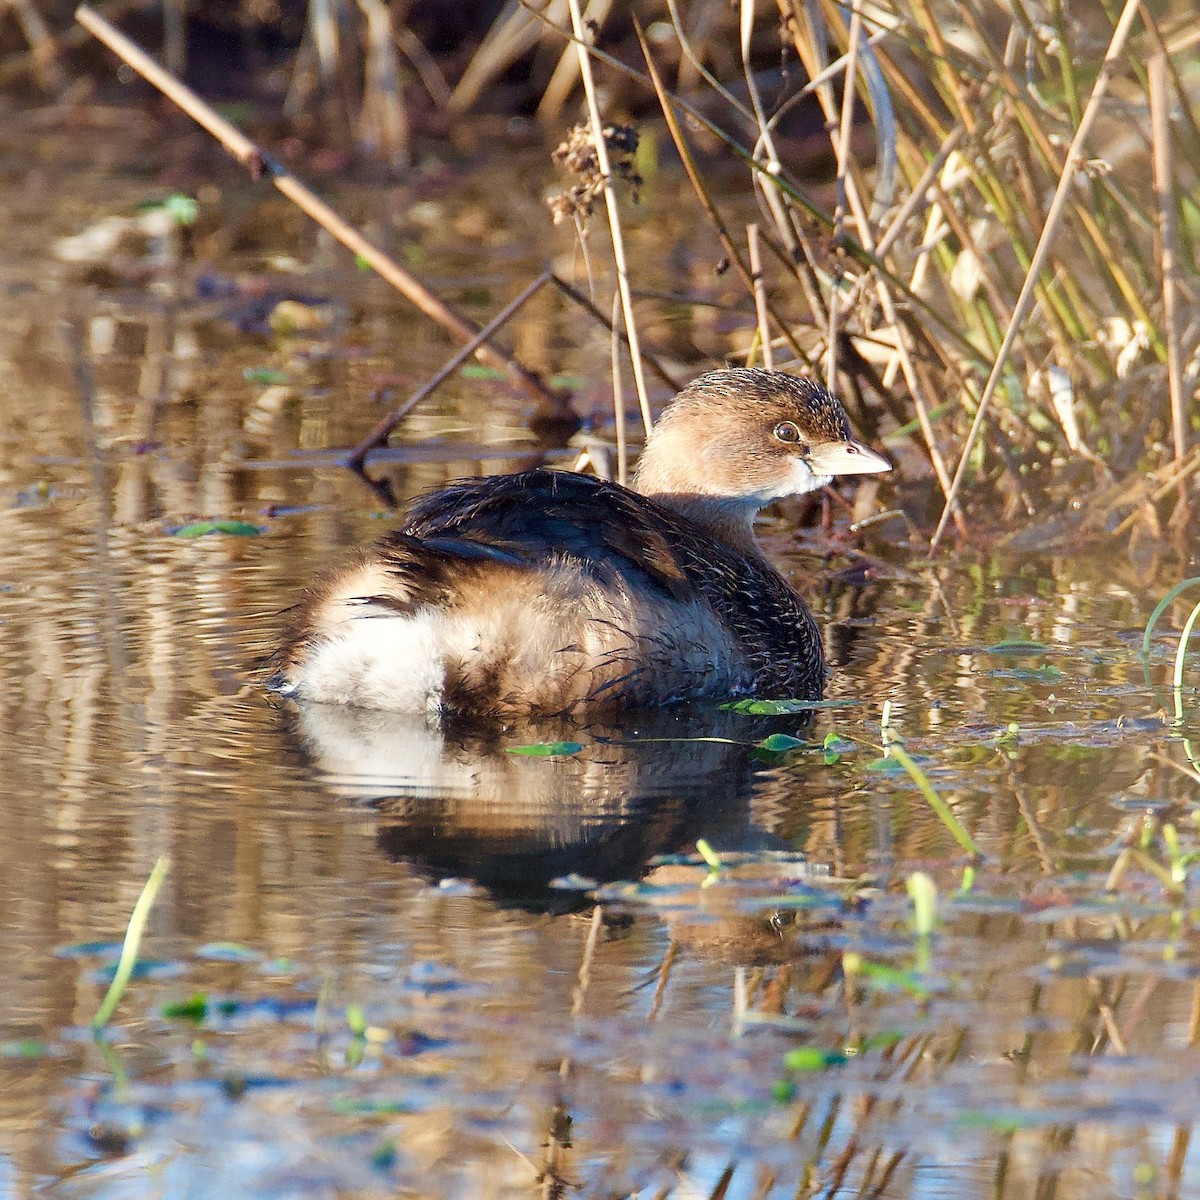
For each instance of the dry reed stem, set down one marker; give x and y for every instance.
(510, 35)
(848, 194)
(427, 69)
(846, 120)
(618, 390)
(1180, 474)
(1049, 229)
(258, 162)
(765, 142)
(558, 90)
(918, 196)
(1169, 257)
(760, 297)
(42, 47)
(851, 246)
(383, 120)
(614, 214)
(666, 100)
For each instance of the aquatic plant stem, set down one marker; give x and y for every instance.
(129, 947)
(614, 215)
(585, 965)
(1180, 659)
(1053, 218)
(1159, 609)
(258, 162)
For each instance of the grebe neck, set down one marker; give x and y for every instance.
(728, 519)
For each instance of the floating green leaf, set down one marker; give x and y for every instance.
(24, 1048)
(885, 765)
(780, 743)
(1046, 673)
(1016, 646)
(479, 371)
(546, 749)
(202, 528)
(194, 1009)
(227, 952)
(385, 1155)
(181, 208)
(889, 979)
(264, 375)
(1000, 1122)
(834, 747)
(352, 1106)
(813, 1058)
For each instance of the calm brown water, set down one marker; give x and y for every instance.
(325, 865)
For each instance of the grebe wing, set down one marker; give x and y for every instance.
(533, 516)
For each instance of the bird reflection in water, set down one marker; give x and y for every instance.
(454, 803)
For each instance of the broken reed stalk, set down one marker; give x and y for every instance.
(355, 459)
(258, 162)
(1054, 216)
(582, 49)
(1169, 255)
(848, 197)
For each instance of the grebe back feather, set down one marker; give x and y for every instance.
(547, 592)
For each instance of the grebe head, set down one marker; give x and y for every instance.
(733, 441)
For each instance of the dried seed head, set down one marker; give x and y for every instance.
(577, 155)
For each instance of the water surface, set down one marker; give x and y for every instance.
(400, 980)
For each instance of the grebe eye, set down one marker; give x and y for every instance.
(785, 431)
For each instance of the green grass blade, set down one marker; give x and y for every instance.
(1180, 656)
(939, 806)
(1160, 608)
(129, 948)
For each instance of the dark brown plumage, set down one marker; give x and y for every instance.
(547, 592)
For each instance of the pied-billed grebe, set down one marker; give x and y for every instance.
(548, 593)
